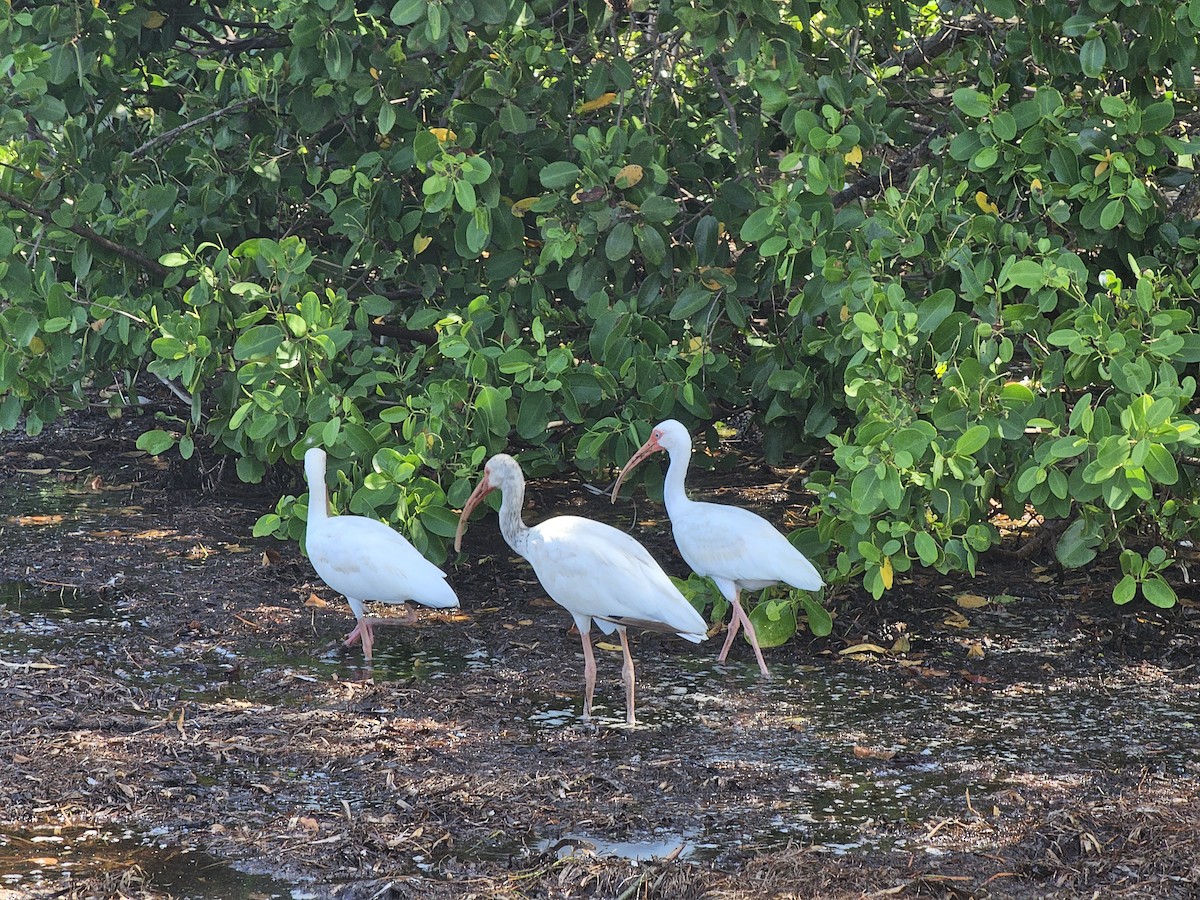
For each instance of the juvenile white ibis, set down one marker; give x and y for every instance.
(366, 560)
(594, 571)
(739, 550)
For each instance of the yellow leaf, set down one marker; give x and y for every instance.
(443, 134)
(975, 651)
(886, 573)
(854, 156)
(1101, 168)
(971, 601)
(599, 103)
(154, 19)
(864, 648)
(37, 346)
(611, 648)
(982, 201)
(1036, 184)
(420, 242)
(374, 73)
(522, 206)
(844, 315)
(957, 620)
(628, 176)
(901, 644)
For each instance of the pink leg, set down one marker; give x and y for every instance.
(762, 663)
(740, 618)
(628, 674)
(589, 672)
(363, 632)
(735, 625)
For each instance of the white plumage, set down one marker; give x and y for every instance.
(739, 550)
(594, 571)
(366, 560)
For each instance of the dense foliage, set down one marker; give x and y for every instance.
(948, 250)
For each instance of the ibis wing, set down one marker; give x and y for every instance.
(595, 570)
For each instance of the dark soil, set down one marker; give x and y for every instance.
(199, 703)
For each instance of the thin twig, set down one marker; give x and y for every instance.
(729, 108)
(83, 231)
(168, 136)
(896, 173)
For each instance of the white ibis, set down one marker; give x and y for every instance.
(594, 571)
(366, 560)
(739, 550)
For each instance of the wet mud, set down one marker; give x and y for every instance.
(177, 718)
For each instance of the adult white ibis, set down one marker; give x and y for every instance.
(366, 560)
(594, 571)
(739, 550)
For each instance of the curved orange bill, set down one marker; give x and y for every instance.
(651, 446)
(481, 490)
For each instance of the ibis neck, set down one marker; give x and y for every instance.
(516, 532)
(318, 499)
(674, 494)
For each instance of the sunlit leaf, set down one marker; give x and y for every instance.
(599, 103)
(982, 201)
(628, 176)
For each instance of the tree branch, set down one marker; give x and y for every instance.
(949, 37)
(400, 333)
(168, 136)
(145, 262)
(897, 173)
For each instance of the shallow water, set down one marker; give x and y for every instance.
(47, 858)
(866, 753)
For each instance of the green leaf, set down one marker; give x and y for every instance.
(387, 117)
(658, 209)
(772, 632)
(1157, 116)
(926, 547)
(820, 622)
(759, 224)
(620, 242)
(1026, 273)
(405, 12)
(259, 342)
(1124, 590)
(1093, 56)
(1077, 546)
(705, 241)
(972, 440)
(513, 119)
(1158, 592)
(559, 175)
(173, 260)
(651, 244)
(691, 300)
(267, 525)
(971, 102)
(1160, 465)
(492, 410)
(155, 442)
(1112, 214)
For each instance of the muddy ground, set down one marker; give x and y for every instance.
(168, 683)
